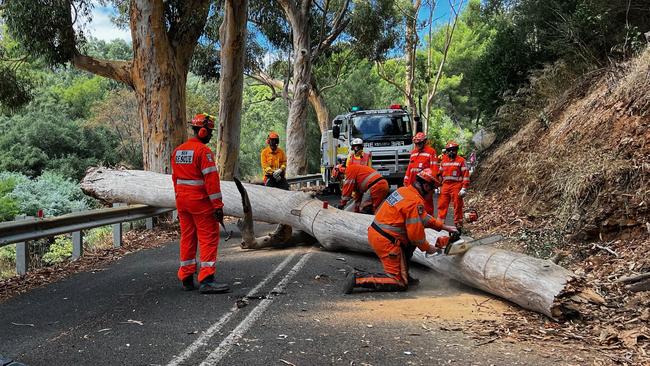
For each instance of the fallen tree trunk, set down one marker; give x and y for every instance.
(534, 284)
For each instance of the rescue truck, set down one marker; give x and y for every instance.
(386, 133)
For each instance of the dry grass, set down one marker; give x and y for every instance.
(588, 166)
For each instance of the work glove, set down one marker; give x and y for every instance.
(437, 191)
(218, 214)
(277, 174)
(433, 249)
(462, 192)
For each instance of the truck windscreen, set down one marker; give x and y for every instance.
(380, 127)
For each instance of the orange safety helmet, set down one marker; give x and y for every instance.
(205, 122)
(272, 135)
(428, 176)
(338, 171)
(451, 145)
(471, 215)
(419, 137)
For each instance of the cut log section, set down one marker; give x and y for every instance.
(532, 283)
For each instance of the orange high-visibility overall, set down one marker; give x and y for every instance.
(272, 161)
(198, 194)
(420, 160)
(399, 223)
(370, 187)
(455, 176)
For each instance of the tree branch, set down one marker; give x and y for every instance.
(116, 70)
(382, 74)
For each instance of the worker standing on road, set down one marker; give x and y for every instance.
(397, 229)
(422, 157)
(274, 163)
(369, 187)
(455, 182)
(358, 156)
(199, 205)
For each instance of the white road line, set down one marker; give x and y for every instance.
(214, 328)
(234, 336)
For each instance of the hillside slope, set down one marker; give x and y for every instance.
(573, 185)
(584, 165)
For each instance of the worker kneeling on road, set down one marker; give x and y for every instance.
(274, 163)
(455, 182)
(200, 209)
(364, 183)
(358, 156)
(397, 229)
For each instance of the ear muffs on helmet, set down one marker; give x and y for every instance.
(204, 132)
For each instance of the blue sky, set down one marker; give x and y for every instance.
(102, 28)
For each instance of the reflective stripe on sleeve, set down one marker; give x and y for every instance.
(190, 182)
(413, 220)
(209, 170)
(188, 262)
(215, 196)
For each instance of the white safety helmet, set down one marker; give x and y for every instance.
(357, 141)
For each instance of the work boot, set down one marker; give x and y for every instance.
(188, 283)
(412, 281)
(208, 286)
(350, 283)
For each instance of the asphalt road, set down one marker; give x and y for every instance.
(292, 312)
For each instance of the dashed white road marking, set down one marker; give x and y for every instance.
(214, 328)
(234, 336)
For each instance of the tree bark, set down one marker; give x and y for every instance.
(231, 85)
(534, 284)
(320, 108)
(298, 17)
(410, 51)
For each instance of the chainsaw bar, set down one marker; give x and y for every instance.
(462, 246)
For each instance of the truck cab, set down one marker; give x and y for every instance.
(386, 133)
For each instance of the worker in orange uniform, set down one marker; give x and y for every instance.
(199, 205)
(397, 229)
(274, 163)
(358, 156)
(422, 157)
(368, 186)
(455, 182)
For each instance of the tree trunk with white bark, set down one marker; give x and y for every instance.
(231, 85)
(534, 284)
(297, 14)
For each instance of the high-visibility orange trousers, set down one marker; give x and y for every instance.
(449, 192)
(392, 258)
(198, 227)
(376, 195)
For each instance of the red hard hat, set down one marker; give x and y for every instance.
(429, 176)
(451, 145)
(203, 120)
(338, 171)
(419, 137)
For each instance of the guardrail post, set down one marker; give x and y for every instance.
(77, 245)
(22, 253)
(148, 222)
(174, 215)
(117, 230)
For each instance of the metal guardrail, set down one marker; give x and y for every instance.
(23, 230)
(308, 180)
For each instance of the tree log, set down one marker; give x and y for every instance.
(534, 284)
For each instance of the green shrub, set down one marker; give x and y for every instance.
(9, 206)
(8, 254)
(51, 192)
(59, 251)
(98, 237)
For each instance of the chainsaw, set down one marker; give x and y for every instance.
(462, 245)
